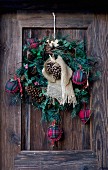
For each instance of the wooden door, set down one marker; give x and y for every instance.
(26, 145)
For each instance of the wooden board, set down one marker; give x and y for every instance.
(98, 47)
(66, 160)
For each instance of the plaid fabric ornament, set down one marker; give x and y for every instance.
(12, 86)
(84, 114)
(54, 133)
(79, 77)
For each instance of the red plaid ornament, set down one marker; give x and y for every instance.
(54, 133)
(12, 86)
(84, 114)
(79, 77)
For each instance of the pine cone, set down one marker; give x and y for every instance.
(35, 94)
(22, 77)
(56, 72)
(29, 89)
(49, 67)
(30, 56)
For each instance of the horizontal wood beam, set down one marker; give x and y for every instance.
(45, 20)
(52, 160)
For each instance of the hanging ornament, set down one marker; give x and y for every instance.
(54, 133)
(79, 77)
(84, 114)
(12, 86)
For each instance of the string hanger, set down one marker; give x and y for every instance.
(54, 23)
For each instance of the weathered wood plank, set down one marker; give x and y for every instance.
(62, 20)
(10, 134)
(56, 160)
(97, 36)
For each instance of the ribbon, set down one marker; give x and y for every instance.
(19, 82)
(54, 24)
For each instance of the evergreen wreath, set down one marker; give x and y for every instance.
(30, 85)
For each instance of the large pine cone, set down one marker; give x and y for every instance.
(56, 72)
(49, 66)
(35, 94)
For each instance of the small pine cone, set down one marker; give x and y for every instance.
(22, 77)
(30, 56)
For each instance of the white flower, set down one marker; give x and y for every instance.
(47, 41)
(53, 43)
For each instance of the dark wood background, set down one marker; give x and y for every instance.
(97, 35)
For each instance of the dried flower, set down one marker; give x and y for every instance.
(53, 43)
(34, 45)
(36, 83)
(26, 66)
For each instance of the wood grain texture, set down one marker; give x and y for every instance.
(10, 134)
(97, 36)
(62, 20)
(65, 160)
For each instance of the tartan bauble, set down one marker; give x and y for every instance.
(12, 86)
(84, 115)
(54, 133)
(79, 77)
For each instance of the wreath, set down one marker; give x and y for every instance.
(56, 75)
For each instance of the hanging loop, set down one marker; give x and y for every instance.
(54, 24)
